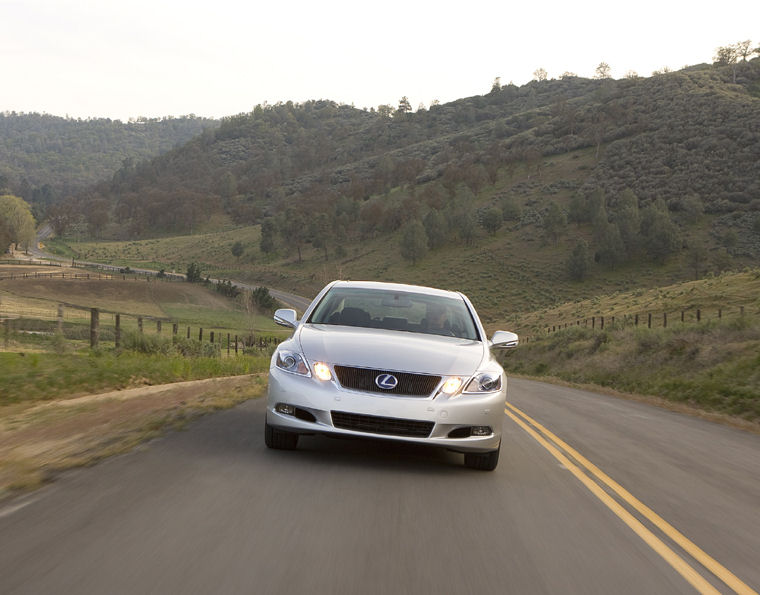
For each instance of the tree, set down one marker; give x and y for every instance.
(743, 50)
(492, 220)
(578, 262)
(293, 227)
(603, 71)
(661, 236)
(727, 55)
(237, 250)
(413, 241)
(404, 106)
(697, 258)
(16, 223)
(554, 222)
(193, 274)
(625, 213)
(321, 232)
(436, 229)
(268, 234)
(540, 74)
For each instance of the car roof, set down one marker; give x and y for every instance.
(398, 287)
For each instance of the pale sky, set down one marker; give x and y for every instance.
(100, 58)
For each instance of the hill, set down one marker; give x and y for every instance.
(525, 197)
(682, 136)
(45, 158)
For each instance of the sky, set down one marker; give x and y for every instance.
(154, 58)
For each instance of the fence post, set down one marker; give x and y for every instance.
(649, 320)
(188, 332)
(228, 344)
(117, 330)
(699, 315)
(664, 320)
(212, 337)
(236, 344)
(60, 319)
(139, 324)
(720, 313)
(681, 315)
(593, 321)
(175, 329)
(601, 322)
(200, 334)
(158, 326)
(94, 327)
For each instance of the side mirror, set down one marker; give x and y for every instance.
(286, 317)
(504, 340)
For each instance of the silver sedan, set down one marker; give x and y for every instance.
(398, 362)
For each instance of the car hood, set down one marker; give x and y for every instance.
(391, 350)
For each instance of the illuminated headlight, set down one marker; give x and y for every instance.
(322, 371)
(485, 382)
(452, 385)
(293, 362)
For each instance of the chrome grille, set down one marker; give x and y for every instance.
(390, 426)
(415, 385)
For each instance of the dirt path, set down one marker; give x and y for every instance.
(38, 441)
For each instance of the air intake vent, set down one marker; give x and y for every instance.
(390, 426)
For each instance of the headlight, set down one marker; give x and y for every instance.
(293, 362)
(452, 385)
(485, 382)
(322, 371)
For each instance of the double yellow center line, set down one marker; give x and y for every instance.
(561, 451)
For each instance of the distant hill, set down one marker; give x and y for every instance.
(692, 133)
(45, 158)
(524, 197)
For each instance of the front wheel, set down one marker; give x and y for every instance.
(486, 461)
(278, 439)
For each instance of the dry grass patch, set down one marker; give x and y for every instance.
(38, 441)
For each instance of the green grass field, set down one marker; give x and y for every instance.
(38, 362)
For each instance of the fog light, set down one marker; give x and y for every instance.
(285, 409)
(481, 430)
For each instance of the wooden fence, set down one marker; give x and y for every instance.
(233, 342)
(662, 319)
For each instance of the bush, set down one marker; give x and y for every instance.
(142, 343)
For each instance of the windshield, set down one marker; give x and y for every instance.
(396, 310)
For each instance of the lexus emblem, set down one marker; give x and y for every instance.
(386, 381)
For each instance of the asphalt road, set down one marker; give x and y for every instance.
(211, 510)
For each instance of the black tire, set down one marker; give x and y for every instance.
(278, 439)
(486, 461)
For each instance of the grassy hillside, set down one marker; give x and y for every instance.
(686, 137)
(712, 365)
(515, 270)
(187, 304)
(44, 158)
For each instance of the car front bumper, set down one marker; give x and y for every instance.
(314, 401)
